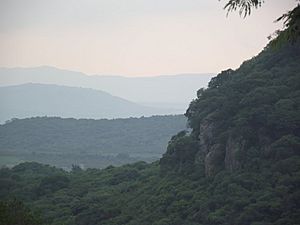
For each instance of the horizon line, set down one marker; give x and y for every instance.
(110, 75)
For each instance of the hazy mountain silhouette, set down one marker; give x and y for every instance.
(172, 91)
(30, 100)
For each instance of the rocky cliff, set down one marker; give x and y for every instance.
(243, 116)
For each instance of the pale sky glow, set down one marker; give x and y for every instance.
(132, 37)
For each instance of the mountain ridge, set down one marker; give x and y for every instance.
(29, 100)
(176, 89)
(239, 165)
(47, 67)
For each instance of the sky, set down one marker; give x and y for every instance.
(133, 37)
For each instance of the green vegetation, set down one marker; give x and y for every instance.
(15, 213)
(137, 194)
(291, 20)
(239, 165)
(245, 115)
(92, 143)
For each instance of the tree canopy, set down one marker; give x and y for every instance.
(291, 19)
(239, 165)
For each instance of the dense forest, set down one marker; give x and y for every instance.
(87, 142)
(239, 165)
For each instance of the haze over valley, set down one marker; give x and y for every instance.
(47, 94)
(149, 112)
(170, 92)
(31, 100)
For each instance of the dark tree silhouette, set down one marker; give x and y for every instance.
(243, 6)
(291, 20)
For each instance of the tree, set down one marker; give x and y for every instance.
(15, 213)
(291, 20)
(244, 6)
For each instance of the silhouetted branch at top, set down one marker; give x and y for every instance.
(243, 6)
(291, 19)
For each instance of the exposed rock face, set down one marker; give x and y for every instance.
(204, 156)
(215, 157)
(264, 140)
(210, 154)
(233, 146)
(214, 160)
(206, 136)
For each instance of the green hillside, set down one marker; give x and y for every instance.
(240, 165)
(87, 142)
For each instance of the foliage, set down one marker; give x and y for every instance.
(87, 142)
(292, 32)
(137, 194)
(257, 105)
(291, 20)
(15, 213)
(180, 154)
(244, 6)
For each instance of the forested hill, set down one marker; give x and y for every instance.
(245, 117)
(240, 165)
(92, 143)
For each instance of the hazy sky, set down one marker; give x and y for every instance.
(132, 37)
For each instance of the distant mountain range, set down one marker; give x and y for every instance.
(172, 91)
(29, 100)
